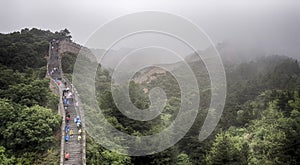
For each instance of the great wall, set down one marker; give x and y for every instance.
(58, 83)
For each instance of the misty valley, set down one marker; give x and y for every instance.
(46, 78)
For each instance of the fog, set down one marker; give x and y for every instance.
(270, 26)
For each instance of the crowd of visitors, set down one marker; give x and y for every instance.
(68, 100)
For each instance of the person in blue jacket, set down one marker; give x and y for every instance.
(67, 129)
(67, 138)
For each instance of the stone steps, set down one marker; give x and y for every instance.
(73, 146)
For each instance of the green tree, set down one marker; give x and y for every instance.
(183, 159)
(26, 128)
(4, 159)
(227, 149)
(34, 93)
(268, 138)
(96, 154)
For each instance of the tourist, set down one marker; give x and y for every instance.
(78, 125)
(67, 129)
(77, 119)
(71, 133)
(67, 156)
(67, 138)
(67, 119)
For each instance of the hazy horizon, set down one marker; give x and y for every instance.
(270, 26)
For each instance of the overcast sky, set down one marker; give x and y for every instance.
(273, 25)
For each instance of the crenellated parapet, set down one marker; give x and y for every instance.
(71, 47)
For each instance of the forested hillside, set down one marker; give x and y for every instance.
(30, 124)
(260, 123)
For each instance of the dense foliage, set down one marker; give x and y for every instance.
(260, 123)
(27, 48)
(271, 138)
(28, 109)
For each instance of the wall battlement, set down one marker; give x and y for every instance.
(71, 47)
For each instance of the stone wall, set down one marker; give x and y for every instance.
(68, 46)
